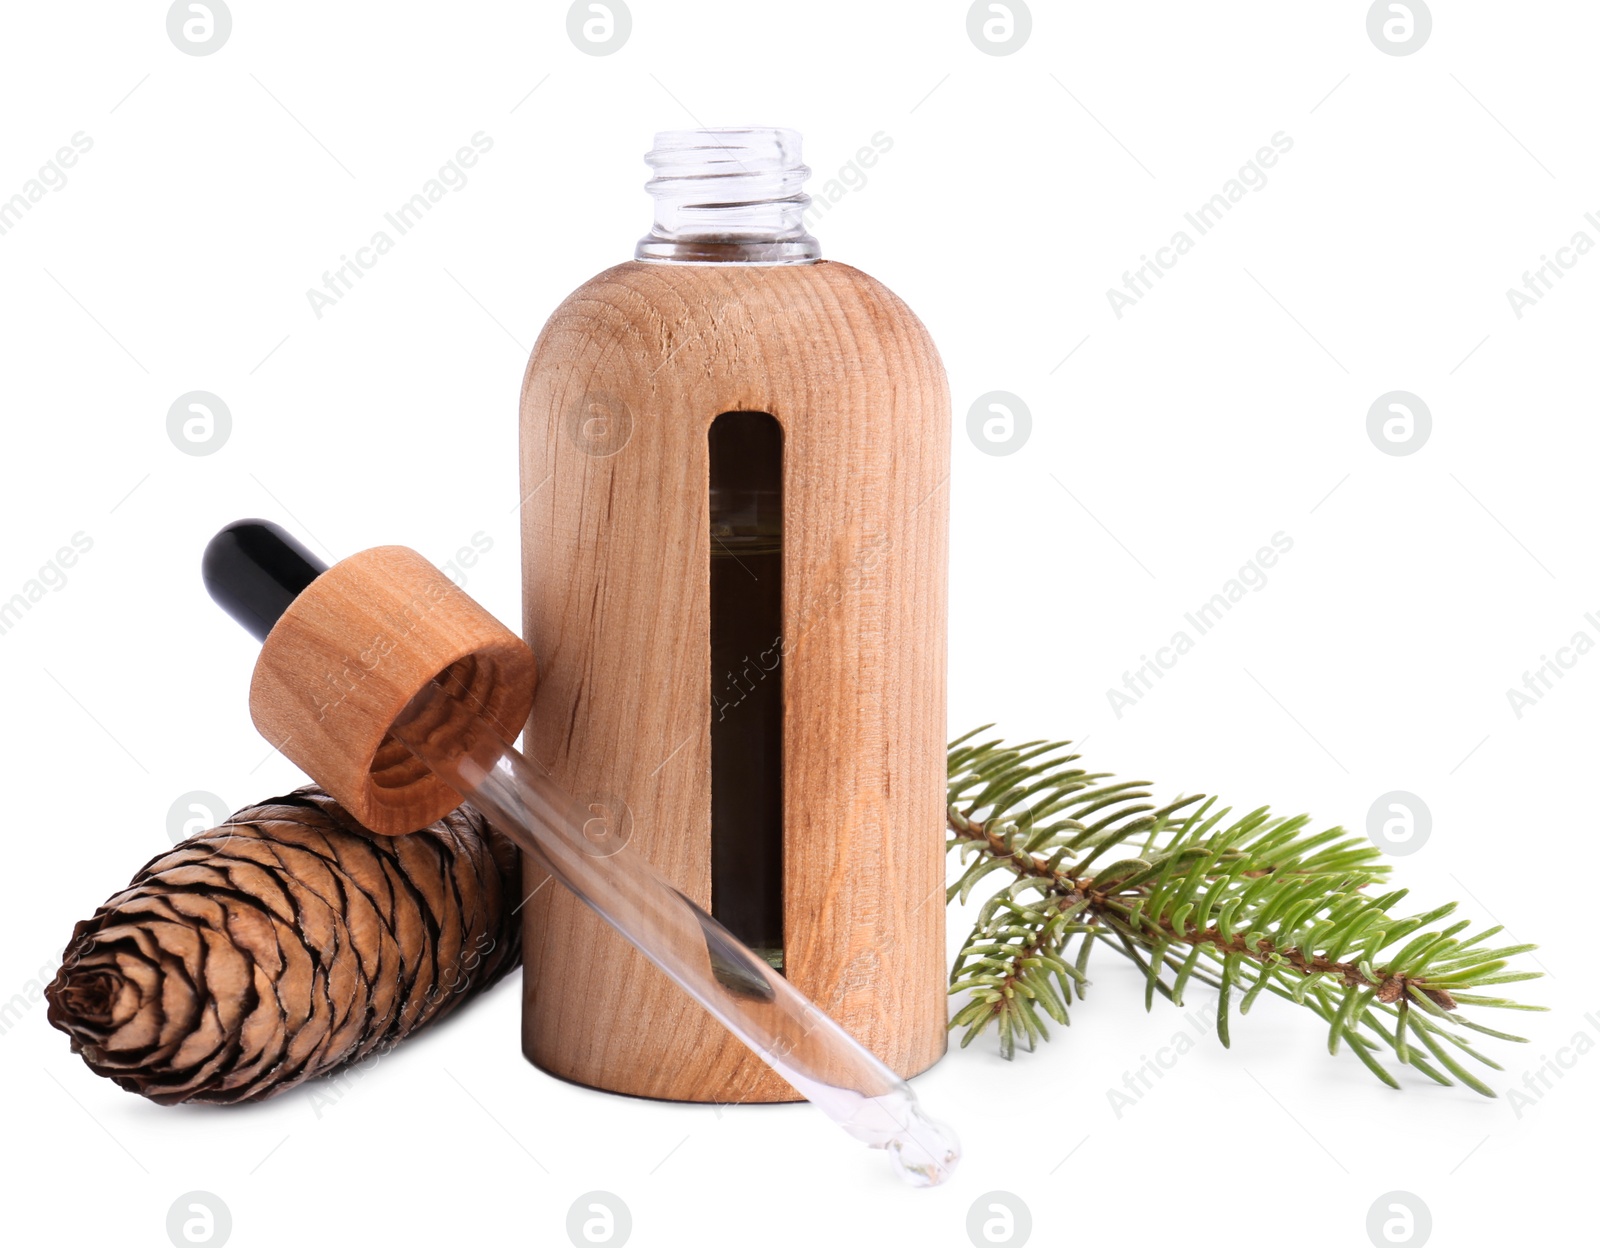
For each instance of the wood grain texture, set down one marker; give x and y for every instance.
(358, 644)
(620, 392)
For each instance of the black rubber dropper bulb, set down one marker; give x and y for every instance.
(254, 569)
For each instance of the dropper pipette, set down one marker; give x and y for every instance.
(258, 574)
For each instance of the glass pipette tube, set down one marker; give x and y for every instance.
(589, 853)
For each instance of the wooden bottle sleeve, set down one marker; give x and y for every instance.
(620, 392)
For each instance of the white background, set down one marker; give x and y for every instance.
(1229, 405)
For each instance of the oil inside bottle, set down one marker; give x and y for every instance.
(747, 647)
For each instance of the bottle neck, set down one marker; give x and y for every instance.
(728, 197)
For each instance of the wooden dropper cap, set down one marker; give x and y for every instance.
(344, 649)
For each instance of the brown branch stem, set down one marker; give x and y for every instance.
(1070, 889)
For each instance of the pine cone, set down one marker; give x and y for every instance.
(283, 945)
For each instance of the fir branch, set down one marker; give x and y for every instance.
(1189, 892)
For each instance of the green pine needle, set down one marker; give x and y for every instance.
(1188, 892)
